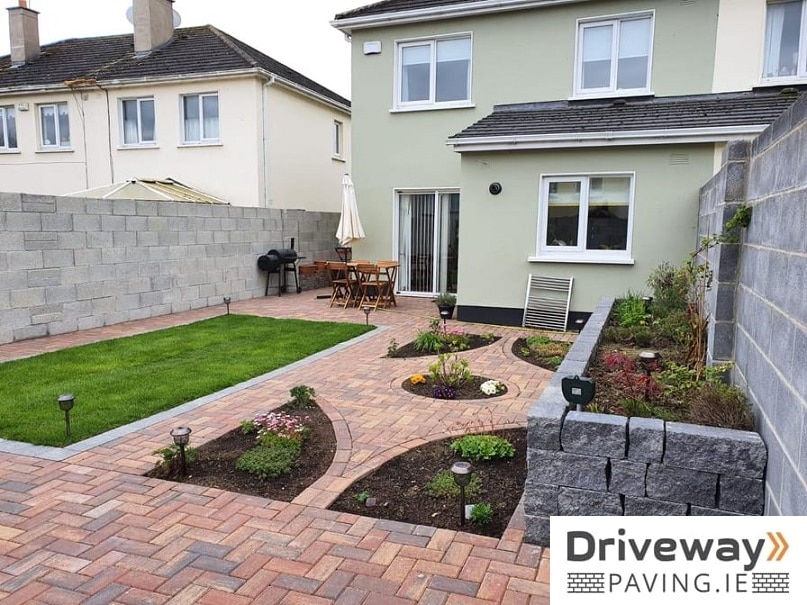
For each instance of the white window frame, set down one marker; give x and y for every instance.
(579, 253)
(612, 90)
(338, 139)
(431, 102)
(801, 62)
(140, 141)
(58, 144)
(5, 110)
(202, 140)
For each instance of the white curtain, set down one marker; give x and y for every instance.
(130, 134)
(210, 111)
(773, 39)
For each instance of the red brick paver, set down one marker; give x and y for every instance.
(91, 529)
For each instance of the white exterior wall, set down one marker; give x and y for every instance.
(255, 123)
(739, 45)
(303, 171)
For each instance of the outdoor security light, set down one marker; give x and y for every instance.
(182, 435)
(66, 403)
(462, 477)
(366, 310)
(227, 301)
(578, 390)
(649, 361)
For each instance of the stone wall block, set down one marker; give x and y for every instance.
(627, 477)
(649, 507)
(595, 434)
(583, 502)
(741, 495)
(665, 482)
(549, 467)
(537, 530)
(545, 419)
(540, 500)
(646, 437)
(699, 511)
(716, 450)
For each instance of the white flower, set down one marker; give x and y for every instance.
(491, 387)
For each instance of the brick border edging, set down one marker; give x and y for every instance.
(582, 463)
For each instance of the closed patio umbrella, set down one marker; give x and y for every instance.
(350, 229)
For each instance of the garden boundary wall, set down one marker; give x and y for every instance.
(70, 263)
(758, 296)
(582, 463)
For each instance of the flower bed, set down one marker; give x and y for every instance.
(585, 463)
(472, 389)
(440, 339)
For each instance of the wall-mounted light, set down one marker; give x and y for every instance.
(372, 47)
(495, 188)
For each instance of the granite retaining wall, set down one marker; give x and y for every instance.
(581, 463)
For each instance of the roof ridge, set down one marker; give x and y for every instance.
(229, 41)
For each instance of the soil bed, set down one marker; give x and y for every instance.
(409, 350)
(522, 351)
(215, 464)
(470, 390)
(399, 487)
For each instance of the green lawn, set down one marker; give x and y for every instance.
(118, 381)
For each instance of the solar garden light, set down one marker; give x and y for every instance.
(366, 310)
(227, 301)
(445, 314)
(579, 324)
(66, 403)
(647, 300)
(182, 435)
(578, 391)
(462, 477)
(648, 360)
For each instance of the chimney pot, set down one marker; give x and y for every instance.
(23, 25)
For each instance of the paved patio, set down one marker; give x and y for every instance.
(87, 527)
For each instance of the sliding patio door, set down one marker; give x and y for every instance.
(428, 241)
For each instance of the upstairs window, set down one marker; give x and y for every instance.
(338, 139)
(200, 118)
(137, 117)
(54, 126)
(8, 129)
(434, 72)
(613, 55)
(586, 216)
(784, 43)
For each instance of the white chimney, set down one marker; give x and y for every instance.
(23, 25)
(153, 24)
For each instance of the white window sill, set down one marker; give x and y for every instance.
(611, 94)
(8, 151)
(435, 107)
(582, 260)
(201, 144)
(338, 158)
(55, 150)
(783, 81)
(127, 147)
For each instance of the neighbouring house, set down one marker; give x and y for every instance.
(193, 103)
(494, 140)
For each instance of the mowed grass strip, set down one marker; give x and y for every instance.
(122, 380)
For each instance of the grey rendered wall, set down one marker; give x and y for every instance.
(770, 302)
(68, 264)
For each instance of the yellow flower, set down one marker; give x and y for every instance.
(417, 379)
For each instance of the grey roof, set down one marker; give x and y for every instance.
(191, 51)
(396, 6)
(625, 115)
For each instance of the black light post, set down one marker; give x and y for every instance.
(462, 477)
(648, 360)
(227, 301)
(445, 314)
(66, 403)
(647, 300)
(182, 435)
(366, 310)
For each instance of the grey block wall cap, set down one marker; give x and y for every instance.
(710, 431)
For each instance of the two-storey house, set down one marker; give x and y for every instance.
(494, 140)
(194, 104)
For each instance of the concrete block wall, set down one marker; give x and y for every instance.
(72, 263)
(581, 463)
(771, 306)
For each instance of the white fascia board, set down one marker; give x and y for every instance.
(443, 12)
(309, 93)
(607, 139)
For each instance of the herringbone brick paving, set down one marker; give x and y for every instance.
(92, 529)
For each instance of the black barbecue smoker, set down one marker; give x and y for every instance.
(281, 262)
